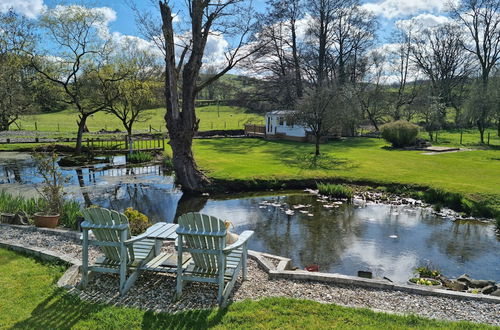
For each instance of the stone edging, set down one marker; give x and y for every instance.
(281, 271)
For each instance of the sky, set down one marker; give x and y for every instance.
(388, 12)
(121, 20)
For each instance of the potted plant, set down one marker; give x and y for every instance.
(51, 190)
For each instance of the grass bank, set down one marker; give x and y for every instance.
(254, 163)
(29, 299)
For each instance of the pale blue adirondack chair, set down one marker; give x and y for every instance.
(204, 237)
(122, 253)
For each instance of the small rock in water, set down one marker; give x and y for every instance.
(262, 206)
(289, 212)
(310, 215)
(393, 236)
(303, 211)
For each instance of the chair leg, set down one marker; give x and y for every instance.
(244, 261)
(123, 262)
(178, 280)
(85, 259)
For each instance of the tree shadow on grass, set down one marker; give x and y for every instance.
(194, 319)
(60, 310)
(321, 162)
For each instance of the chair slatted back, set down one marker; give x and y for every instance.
(102, 216)
(204, 237)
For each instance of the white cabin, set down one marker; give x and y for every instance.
(276, 124)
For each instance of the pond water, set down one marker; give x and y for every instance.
(387, 240)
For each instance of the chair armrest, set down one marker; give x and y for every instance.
(139, 237)
(242, 238)
(89, 225)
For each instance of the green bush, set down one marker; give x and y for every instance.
(400, 133)
(139, 157)
(167, 163)
(335, 190)
(138, 222)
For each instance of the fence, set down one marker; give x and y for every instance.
(151, 144)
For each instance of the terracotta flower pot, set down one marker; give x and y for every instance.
(46, 220)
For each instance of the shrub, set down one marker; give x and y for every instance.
(52, 189)
(70, 210)
(139, 157)
(400, 133)
(335, 190)
(167, 163)
(138, 222)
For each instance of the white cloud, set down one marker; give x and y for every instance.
(399, 8)
(423, 21)
(28, 8)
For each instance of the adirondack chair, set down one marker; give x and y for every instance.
(122, 253)
(204, 237)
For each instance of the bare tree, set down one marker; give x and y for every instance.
(438, 52)
(80, 49)
(320, 111)
(206, 17)
(370, 93)
(400, 60)
(481, 19)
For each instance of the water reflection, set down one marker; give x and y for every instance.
(387, 240)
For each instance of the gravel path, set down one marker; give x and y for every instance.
(155, 291)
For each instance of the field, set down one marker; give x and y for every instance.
(211, 117)
(470, 137)
(474, 174)
(29, 299)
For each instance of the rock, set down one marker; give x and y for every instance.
(489, 289)
(472, 283)
(495, 293)
(456, 286)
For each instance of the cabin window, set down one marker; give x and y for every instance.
(290, 123)
(282, 120)
(269, 124)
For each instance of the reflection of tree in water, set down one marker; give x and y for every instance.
(189, 203)
(319, 239)
(468, 240)
(81, 183)
(12, 172)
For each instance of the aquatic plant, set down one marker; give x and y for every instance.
(139, 157)
(335, 190)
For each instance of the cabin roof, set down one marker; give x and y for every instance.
(280, 112)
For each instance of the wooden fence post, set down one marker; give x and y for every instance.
(461, 133)
(488, 138)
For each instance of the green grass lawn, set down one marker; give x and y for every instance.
(470, 137)
(30, 300)
(211, 117)
(475, 174)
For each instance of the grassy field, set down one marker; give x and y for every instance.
(470, 137)
(210, 118)
(474, 174)
(29, 299)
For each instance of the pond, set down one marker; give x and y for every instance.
(387, 240)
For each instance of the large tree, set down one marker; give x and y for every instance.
(16, 74)
(481, 20)
(438, 52)
(79, 46)
(182, 74)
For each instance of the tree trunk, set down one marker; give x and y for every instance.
(82, 123)
(480, 127)
(183, 125)
(318, 138)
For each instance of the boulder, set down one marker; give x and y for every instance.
(457, 286)
(472, 283)
(489, 289)
(495, 293)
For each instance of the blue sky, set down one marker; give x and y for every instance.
(388, 11)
